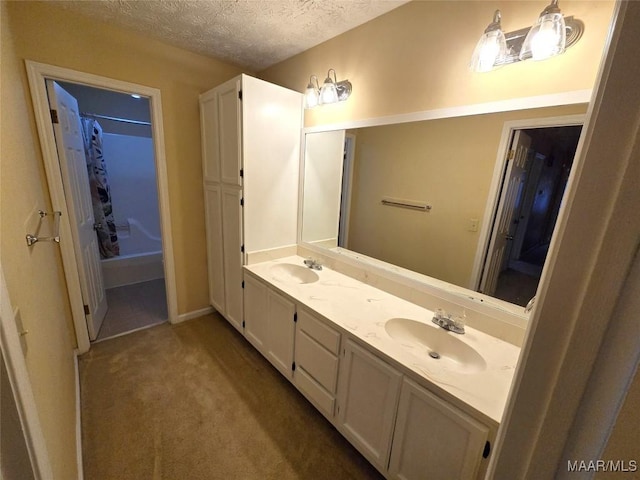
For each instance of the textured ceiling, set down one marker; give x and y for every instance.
(253, 34)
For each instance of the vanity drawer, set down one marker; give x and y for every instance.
(322, 399)
(321, 333)
(316, 360)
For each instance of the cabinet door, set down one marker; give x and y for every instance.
(255, 313)
(232, 244)
(229, 131)
(215, 254)
(210, 137)
(434, 439)
(368, 392)
(281, 328)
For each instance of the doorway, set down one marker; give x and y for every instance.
(122, 175)
(38, 75)
(538, 166)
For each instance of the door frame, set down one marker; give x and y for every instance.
(16, 365)
(490, 212)
(37, 73)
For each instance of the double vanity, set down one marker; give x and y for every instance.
(416, 400)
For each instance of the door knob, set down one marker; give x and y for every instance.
(509, 237)
(97, 226)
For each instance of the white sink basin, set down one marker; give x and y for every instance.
(291, 273)
(442, 347)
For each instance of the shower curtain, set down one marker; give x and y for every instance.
(100, 191)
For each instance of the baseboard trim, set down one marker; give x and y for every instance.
(183, 317)
(78, 417)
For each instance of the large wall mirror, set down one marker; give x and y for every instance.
(435, 197)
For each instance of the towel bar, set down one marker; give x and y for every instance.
(33, 239)
(391, 202)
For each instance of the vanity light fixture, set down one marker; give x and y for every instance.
(549, 36)
(491, 48)
(312, 93)
(332, 91)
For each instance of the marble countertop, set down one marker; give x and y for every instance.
(362, 311)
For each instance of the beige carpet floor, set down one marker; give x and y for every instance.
(196, 401)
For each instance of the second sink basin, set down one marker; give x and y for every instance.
(441, 346)
(292, 273)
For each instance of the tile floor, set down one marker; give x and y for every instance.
(134, 306)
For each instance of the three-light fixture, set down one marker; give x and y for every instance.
(549, 36)
(332, 91)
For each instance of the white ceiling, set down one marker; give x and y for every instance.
(252, 34)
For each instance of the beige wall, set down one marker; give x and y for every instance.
(416, 58)
(45, 33)
(447, 163)
(625, 435)
(34, 276)
(48, 34)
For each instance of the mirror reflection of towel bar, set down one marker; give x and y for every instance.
(55, 237)
(406, 204)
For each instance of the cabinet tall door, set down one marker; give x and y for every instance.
(255, 313)
(229, 131)
(434, 439)
(368, 395)
(281, 330)
(232, 242)
(209, 134)
(215, 254)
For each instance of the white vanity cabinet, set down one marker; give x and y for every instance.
(269, 324)
(255, 309)
(404, 424)
(433, 439)
(250, 151)
(368, 397)
(317, 347)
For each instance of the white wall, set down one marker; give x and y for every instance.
(132, 177)
(324, 152)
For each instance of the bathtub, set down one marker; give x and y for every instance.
(133, 268)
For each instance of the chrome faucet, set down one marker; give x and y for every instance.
(453, 323)
(529, 306)
(313, 264)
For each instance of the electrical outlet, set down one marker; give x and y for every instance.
(473, 224)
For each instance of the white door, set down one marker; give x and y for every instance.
(280, 331)
(73, 165)
(504, 226)
(233, 254)
(229, 132)
(215, 251)
(368, 393)
(255, 313)
(433, 439)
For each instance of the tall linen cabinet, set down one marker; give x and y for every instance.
(251, 133)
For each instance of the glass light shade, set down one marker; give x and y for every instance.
(546, 38)
(490, 51)
(328, 92)
(311, 98)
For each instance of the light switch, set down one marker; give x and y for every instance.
(473, 224)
